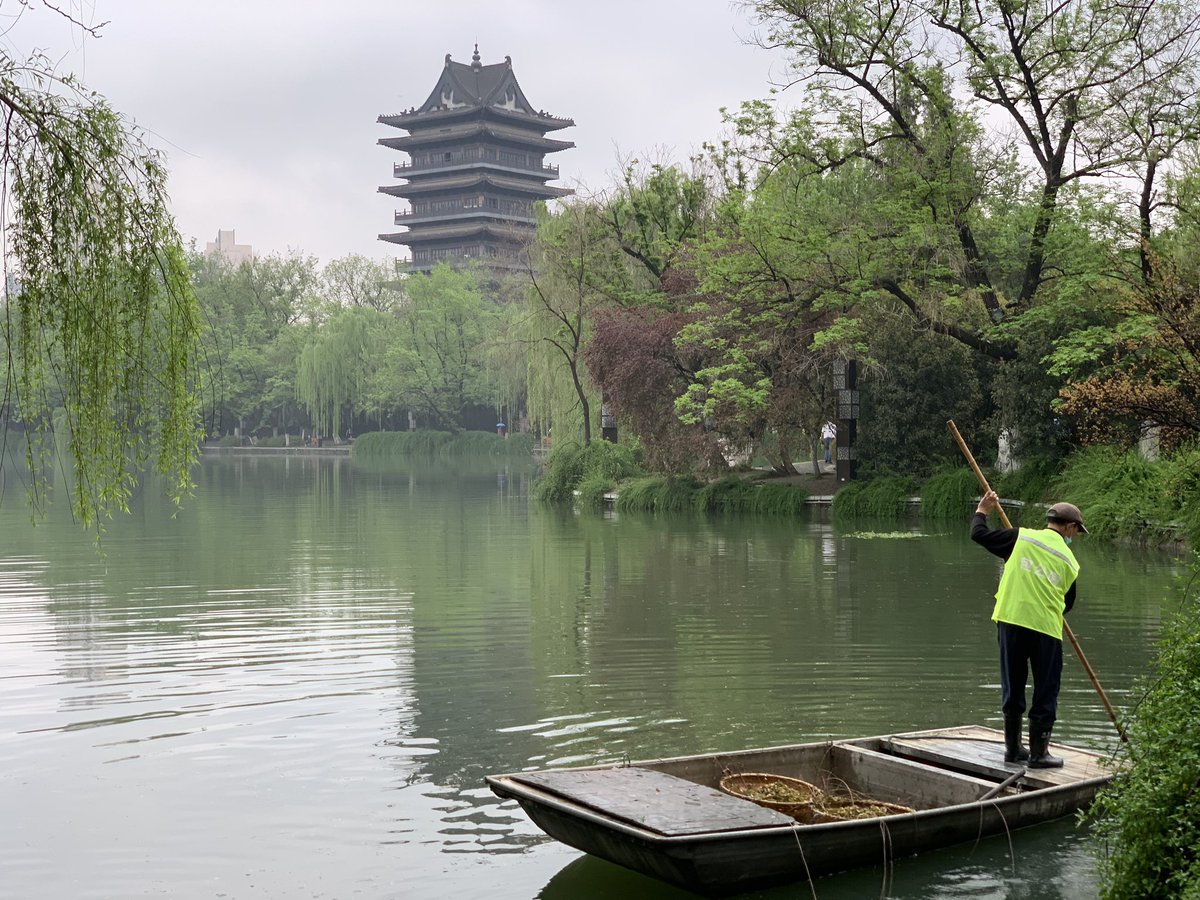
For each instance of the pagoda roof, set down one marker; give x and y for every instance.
(467, 89)
(471, 179)
(468, 129)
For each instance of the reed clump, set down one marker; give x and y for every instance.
(734, 494)
(948, 496)
(658, 494)
(880, 498)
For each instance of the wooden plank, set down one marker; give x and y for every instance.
(653, 800)
(980, 751)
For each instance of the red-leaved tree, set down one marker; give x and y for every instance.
(632, 354)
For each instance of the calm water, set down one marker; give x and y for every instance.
(295, 687)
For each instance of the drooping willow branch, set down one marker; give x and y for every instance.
(101, 324)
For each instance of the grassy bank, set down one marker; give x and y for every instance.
(586, 474)
(1123, 496)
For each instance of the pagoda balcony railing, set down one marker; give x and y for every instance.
(472, 159)
(519, 214)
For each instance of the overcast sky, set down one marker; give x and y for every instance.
(266, 108)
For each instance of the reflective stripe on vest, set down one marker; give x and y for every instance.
(1036, 578)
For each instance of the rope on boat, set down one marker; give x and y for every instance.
(807, 874)
(888, 861)
(1012, 856)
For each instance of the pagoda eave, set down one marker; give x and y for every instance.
(423, 138)
(419, 118)
(512, 185)
(511, 233)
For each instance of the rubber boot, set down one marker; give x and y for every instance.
(1013, 751)
(1039, 748)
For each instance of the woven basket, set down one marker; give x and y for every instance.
(744, 786)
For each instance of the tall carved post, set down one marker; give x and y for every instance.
(845, 383)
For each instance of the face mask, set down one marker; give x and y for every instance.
(1068, 540)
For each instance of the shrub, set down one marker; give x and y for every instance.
(570, 465)
(1182, 487)
(564, 470)
(1120, 493)
(1031, 482)
(592, 489)
(1147, 820)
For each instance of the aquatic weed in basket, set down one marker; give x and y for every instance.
(786, 795)
(842, 803)
(840, 809)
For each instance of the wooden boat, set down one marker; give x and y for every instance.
(668, 819)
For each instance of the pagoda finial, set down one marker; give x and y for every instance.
(475, 61)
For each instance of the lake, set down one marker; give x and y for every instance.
(294, 686)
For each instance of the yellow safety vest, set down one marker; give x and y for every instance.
(1036, 578)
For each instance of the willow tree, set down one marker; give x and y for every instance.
(100, 323)
(339, 361)
(564, 266)
(257, 317)
(437, 364)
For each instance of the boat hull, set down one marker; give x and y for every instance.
(714, 860)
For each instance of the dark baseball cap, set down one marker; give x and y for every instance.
(1067, 512)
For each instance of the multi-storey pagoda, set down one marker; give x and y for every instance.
(477, 165)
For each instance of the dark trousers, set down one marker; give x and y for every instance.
(1023, 651)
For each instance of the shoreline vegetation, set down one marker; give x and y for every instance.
(1125, 497)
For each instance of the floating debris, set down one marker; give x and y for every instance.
(885, 535)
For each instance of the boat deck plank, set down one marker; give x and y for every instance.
(980, 751)
(659, 802)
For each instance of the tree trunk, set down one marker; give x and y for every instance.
(1144, 207)
(583, 402)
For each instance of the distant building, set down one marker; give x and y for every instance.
(234, 253)
(477, 165)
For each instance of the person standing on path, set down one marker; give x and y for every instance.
(828, 433)
(1036, 590)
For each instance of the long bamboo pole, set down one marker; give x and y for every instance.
(983, 483)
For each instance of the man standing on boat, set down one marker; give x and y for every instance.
(1036, 589)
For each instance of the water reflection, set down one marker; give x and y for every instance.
(1043, 863)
